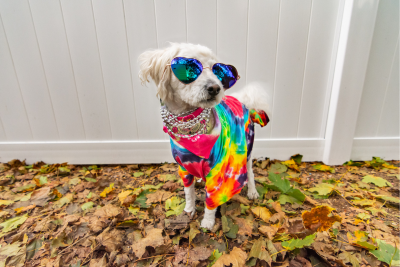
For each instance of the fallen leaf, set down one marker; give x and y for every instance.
(237, 258)
(158, 196)
(320, 215)
(240, 199)
(269, 231)
(322, 189)
(107, 190)
(13, 223)
(262, 212)
(258, 251)
(87, 205)
(298, 243)
(153, 239)
(291, 164)
(378, 181)
(387, 253)
(23, 209)
(111, 240)
(347, 257)
(123, 195)
(324, 168)
(109, 211)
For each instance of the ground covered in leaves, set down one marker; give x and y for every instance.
(308, 214)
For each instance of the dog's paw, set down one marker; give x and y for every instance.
(207, 223)
(190, 210)
(253, 194)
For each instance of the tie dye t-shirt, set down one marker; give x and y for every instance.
(220, 157)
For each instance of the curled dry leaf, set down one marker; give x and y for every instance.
(237, 258)
(269, 231)
(320, 215)
(241, 199)
(109, 211)
(111, 240)
(153, 239)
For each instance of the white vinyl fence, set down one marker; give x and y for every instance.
(70, 92)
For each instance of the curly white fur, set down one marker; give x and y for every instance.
(179, 97)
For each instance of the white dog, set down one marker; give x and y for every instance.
(211, 134)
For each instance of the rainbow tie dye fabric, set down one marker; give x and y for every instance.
(220, 158)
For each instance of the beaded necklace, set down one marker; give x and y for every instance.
(186, 126)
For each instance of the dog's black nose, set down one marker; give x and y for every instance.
(214, 89)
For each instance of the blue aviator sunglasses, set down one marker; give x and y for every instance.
(187, 70)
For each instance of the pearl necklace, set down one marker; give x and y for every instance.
(174, 123)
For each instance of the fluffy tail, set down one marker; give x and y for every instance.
(254, 96)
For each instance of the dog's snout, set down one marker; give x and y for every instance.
(213, 89)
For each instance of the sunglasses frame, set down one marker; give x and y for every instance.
(165, 68)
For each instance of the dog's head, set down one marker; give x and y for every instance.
(206, 91)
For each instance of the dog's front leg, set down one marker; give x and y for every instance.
(209, 219)
(251, 185)
(190, 196)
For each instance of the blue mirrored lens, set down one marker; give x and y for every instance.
(227, 74)
(187, 70)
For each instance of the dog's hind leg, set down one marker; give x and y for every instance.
(251, 185)
(190, 196)
(209, 219)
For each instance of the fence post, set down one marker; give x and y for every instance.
(355, 39)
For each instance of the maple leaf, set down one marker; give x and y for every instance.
(111, 240)
(173, 206)
(107, 190)
(291, 164)
(298, 243)
(123, 195)
(320, 215)
(378, 181)
(324, 168)
(237, 258)
(153, 239)
(262, 212)
(214, 257)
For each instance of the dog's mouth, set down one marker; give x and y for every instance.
(212, 98)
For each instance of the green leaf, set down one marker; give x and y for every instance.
(193, 231)
(376, 162)
(173, 206)
(278, 168)
(243, 208)
(322, 189)
(352, 163)
(141, 199)
(347, 257)
(297, 158)
(28, 187)
(258, 251)
(13, 223)
(388, 198)
(282, 184)
(262, 190)
(74, 181)
(33, 248)
(324, 168)
(150, 186)
(138, 174)
(225, 226)
(90, 179)
(234, 230)
(298, 243)
(26, 197)
(376, 211)
(64, 200)
(42, 180)
(133, 210)
(87, 205)
(378, 181)
(283, 199)
(214, 257)
(297, 194)
(363, 216)
(387, 253)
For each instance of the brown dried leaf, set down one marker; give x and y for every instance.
(102, 262)
(109, 211)
(245, 226)
(269, 231)
(158, 196)
(112, 241)
(319, 215)
(241, 199)
(153, 239)
(237, 258)
(262, 212)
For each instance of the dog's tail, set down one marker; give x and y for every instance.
(254, 96)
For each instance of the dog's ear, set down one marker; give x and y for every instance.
(154, 64)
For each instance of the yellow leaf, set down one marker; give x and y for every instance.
(6, 202)
(22, 209)
(123, 195)
(389, 166)
(107, 190)
(291, 164)
(262, 212)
